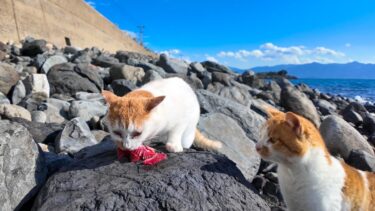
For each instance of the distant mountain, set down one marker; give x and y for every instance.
(353, 70)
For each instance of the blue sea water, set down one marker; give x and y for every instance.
(353, 88)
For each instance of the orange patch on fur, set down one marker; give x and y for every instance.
(371, 190)
(291, 141)
(131, 108)
(355, 189)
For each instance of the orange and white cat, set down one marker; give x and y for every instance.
(161, 107)
(310, 178)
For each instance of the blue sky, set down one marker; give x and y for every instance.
(247, 33)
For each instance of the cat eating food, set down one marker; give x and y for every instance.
(310, 177)
(162, 107)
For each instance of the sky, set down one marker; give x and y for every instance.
(248, 33)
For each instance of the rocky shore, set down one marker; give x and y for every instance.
(55, 152)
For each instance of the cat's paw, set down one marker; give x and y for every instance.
(174, 147)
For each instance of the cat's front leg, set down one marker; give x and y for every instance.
(174, 141)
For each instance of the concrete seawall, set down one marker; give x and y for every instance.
(55, 20)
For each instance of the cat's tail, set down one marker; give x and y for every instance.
(205, 143)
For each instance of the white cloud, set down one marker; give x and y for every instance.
(290, 54)
(91, 3)
(211, 58)
(348, 45)
(171, 53)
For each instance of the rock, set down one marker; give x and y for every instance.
(8, 77)
(57, 110)
(370, 108)
(362, 160)
(294, 100)
(275, 90)
(75, 136)
(130, 73)
(236, 146)
(3, 55)
(151, 75)
(55, 162)
(33, 48)
(235, 93)
(100, 135)
(197, 67)
(325, 107)
(222, 78)
(87, 109)
(4, 99)
(121, 87)
(357, 107)
(351, 116)
(19, 92)
(52, 61)
(70, 50)
(82, 57)
(171, 65)
(103, 146)
(10, 110)
(249, 78)
(38, 116)
(41, 132)
(147, 67)
(86, 96)
(369, 123)
(124, 56)
(215, 67)
(69, 78)
(341, 138)
(185, 181)
(250, 121)
(104, 61)
(37, 83)
(22, 167)
(194, 82)
(307, 90)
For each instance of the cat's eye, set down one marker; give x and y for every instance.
(117, 133)
(272, 141)
(135, 134)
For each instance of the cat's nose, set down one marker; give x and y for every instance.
(258, 147)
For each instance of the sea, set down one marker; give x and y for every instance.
(362, 90)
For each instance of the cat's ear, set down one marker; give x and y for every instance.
(271, 111)
(151, 104)
(109, 96)
(294, 122)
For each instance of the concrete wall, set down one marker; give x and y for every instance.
(54, 20)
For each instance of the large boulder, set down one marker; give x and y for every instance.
(37, 83)
(236, 146)
(250, 121)
(41, 132)
(8, 77)
(239, 94)
(10, 111)
(22, 167)
(75, 136)
(215, 67)
(105, 61)
(32, 48)
(185, 181)
(127, 72)
(362, 160)
(69, 78)
(52, 61)
(87, 109)
(341, 138)
(125, 56)
(171, 65)
(294, 100)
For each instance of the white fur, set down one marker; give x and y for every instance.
(309, 183)
(176, 116)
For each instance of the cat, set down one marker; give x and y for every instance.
(161, 107)
(310, 177)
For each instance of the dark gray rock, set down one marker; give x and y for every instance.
(247, 119)
(362, 160)
(341, 138)
(171, 65)
(215, 67)
(4, 99)
(127, 72)
(325, 107)
(8, 77)
(222, 78)
(82, 57)
(22, 167)
(249, 78)
(69, 78)
(369, 123)
(185, 181)
(104, 61)
(125, 56)
(52, 61)
(147, 67)
(121, 87)
(75, 136)
(238, 94)
(197, 67)
(294, 100)
(357, 107)
(351, 116)
(87, 109)
(41, 132)
(34, 47)
(236, 145)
